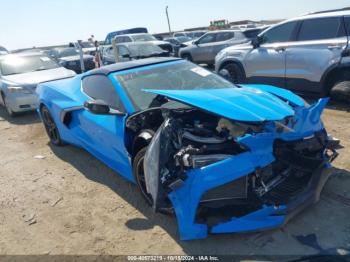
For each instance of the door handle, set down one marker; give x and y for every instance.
(280, 49)
(334, 47)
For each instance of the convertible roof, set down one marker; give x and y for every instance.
(106, 70)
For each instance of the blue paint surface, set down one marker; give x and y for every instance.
(104, 136)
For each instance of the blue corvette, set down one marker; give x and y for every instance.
(223, 158)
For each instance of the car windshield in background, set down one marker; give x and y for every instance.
(143, 38)
(13, 64)
(183, 39)
(176, 76)
(86, 45)
(252, 33)
(144, 50)
(68, 52)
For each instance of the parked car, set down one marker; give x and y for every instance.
(209, 45)
(307, 54)
(190, 34)
(177, 42)
(143, 38)
(223, 158)
(3, 51)
(252, 33)
(132, 51)
(87, 47)
(31, 50)
(112, 35)
(19, 76)
(69, 58)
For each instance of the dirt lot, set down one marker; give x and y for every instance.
(70, 203)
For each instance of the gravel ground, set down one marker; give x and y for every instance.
(64, 201)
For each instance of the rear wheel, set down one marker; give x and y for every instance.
(50, 127)
(341, 91)
(236, 74)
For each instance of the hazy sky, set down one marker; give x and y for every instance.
(26, 23)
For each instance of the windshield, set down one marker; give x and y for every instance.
(144, 50)
(143, 38)
(12, 65)
(198, 34)
(86, 44)
(183, 39)
(67, 52)
(252, 33)
(176, 76)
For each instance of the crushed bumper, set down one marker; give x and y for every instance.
(187, 198)
(272, 216)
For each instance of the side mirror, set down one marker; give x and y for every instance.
(256, 42)
(99, 107)
(196, 42)
(126, 56)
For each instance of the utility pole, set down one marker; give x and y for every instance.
(167, 16)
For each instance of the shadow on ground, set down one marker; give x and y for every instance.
(26, 118)
(299, 237)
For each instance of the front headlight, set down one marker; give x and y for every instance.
(18, 89)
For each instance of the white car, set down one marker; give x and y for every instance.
(19, 76)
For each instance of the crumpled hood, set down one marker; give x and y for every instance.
(242, 104)
(39, 76)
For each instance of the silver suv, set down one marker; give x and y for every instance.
(143, 37)
(209, 45)
(310, 53)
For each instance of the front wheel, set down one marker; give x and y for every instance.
(187, 57)
(50, 127)
(341, 91)
(139, 174)
(236, 74)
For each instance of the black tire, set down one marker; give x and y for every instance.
(187, 57)
(236, 74)
(8, 110)
(341, 91)
(51, 127)
(137, 170)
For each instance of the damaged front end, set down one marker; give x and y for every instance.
(224, 176)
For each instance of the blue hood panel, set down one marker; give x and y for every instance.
(240, 104)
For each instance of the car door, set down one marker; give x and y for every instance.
(318, 46)
(124, 54)
(202, 47)
(221, 42)
(266, 63)
(103, 135)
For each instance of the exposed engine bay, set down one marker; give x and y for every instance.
(216, 172)
(190, 139)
